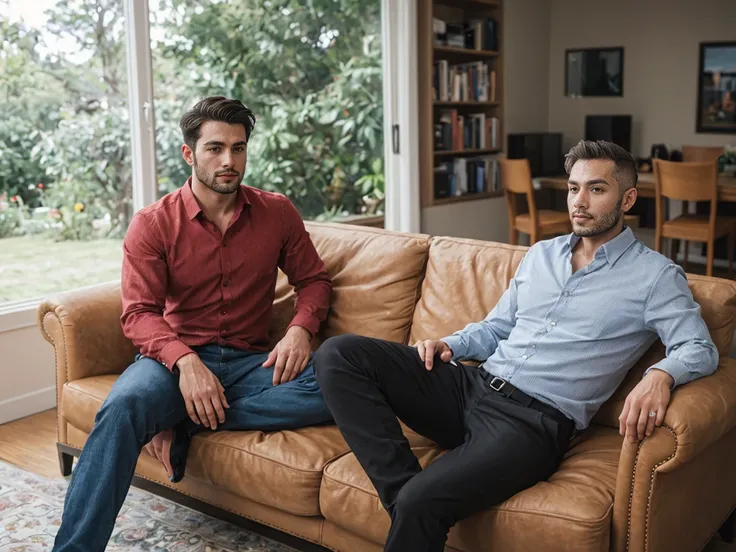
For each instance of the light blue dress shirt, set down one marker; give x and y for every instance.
(568, 339)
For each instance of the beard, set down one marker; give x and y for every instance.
(600, 225)
(210, 179)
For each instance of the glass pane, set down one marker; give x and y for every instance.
(311, 72)
(65, 170)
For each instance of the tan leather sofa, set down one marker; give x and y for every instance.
(669, 493)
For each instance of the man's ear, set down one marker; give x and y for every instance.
(630, 196)
(187, 154)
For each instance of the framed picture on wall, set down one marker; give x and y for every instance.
(594, 72)
(717, 88)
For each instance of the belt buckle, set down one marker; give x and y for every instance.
(500, 385)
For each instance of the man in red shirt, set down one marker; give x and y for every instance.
(198, 283)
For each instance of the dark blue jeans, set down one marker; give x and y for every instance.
(146, 400)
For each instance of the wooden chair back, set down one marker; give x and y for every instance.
(701, 154)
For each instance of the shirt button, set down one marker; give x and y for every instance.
(226, 283)
(554, 324)
(567, 294)
(525, 357)
(223, 313)
(224, 244)
(534, 346)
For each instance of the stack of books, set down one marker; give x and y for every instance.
(461, 132)
(466, 176)
(463, 82)
(475, 34)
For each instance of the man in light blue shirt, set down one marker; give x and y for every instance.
(579, 312)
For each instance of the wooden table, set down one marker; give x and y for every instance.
(645, 187)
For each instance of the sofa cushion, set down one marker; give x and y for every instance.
(376, 277)
(463, 282)
(573, 507)
(282, 469)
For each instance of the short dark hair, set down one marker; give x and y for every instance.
(215, 108)
(624, 170)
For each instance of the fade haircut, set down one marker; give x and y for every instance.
(215, 108)
(624, 170)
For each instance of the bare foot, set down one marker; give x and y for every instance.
(160, 448)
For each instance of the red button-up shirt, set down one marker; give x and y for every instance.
(184, 284)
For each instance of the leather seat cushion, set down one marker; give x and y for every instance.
(574, 506)
(282, 469)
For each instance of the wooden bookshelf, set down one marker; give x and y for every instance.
(458, 153)
(430, 108)
(466, 197)
(450, 51)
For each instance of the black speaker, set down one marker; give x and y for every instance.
(611, 128)
(542, 149)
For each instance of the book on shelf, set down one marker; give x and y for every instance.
(463, 82)
(455, 132)
(474, 34)
(461, 176)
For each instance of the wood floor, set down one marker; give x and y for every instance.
(30, 443)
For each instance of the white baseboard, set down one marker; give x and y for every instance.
(25, 405)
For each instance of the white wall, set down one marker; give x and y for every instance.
(27, 368)
(661, 56)
(526, 80)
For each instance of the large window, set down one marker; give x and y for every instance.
(65, 178)
(310, 71)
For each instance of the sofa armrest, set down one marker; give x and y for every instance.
(699, 415)
(84, 327)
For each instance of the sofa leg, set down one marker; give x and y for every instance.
(728, 528)
(65, 462)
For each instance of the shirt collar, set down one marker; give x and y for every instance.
(192, 205)
(612, 249)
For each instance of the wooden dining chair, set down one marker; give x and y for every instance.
(691, 182)
(701, 154)
(516, 178)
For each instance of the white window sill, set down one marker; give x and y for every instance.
(17, 315)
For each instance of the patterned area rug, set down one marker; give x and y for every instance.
(30, 513)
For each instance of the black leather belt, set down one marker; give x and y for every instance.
(505, 388)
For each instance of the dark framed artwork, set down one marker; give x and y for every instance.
(594, 72)
(717, 88)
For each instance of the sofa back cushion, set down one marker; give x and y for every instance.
(463, 282)
(376, 277)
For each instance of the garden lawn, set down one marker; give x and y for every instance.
(35, 266)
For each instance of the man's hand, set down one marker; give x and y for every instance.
(652, 394)
(290, 356)
(202, 392)
(160, 448)
(430, 347)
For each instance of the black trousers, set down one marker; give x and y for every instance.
(496, 446)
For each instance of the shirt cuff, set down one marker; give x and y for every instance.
(675, 368)
(306, 321)
(172, 352)
(455, 342)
